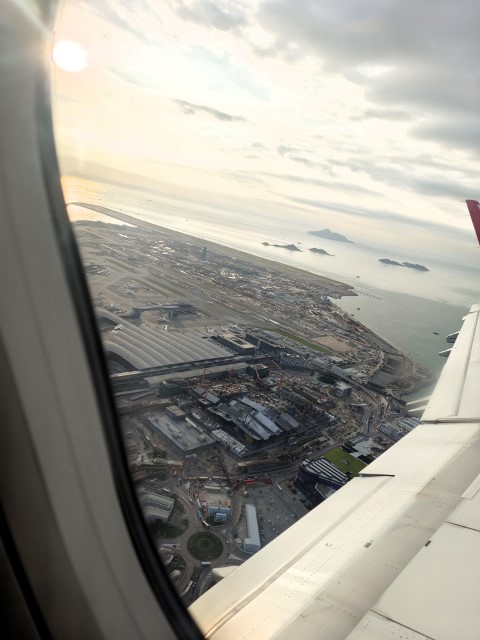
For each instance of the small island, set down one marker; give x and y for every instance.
(320, 251)
(289, 247)
(408, 265)
(418, 267)
(392, 262)
(330, 235)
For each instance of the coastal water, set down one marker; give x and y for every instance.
(409, 323)
(404, 306)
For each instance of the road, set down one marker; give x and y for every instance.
(195, 526)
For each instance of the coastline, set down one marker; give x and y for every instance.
(410, 373)
(348, 290)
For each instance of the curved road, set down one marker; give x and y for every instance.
(195, 526)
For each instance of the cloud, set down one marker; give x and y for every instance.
(374, 35)
(421, 59)
(430, 87)
(286, 151)
(231, 74)
(120, 14)
(384, 217)
(190, 108)
(305, 161)
(430, 162)
(392, 173)
(386, 114)
(462, 134)
(128, 76)
(443, 188)
(224, 15)
(283, 149)
(318, 182)
(243, 177)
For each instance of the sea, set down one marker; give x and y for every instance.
(411, 309)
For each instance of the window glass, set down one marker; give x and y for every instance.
(266, 200)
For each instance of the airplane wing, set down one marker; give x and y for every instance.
(393, 554)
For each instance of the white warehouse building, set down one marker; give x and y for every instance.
(251, 543)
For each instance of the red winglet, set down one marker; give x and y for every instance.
(474, 210)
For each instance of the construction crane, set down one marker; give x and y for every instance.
(282, 374)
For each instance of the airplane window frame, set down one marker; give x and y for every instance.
(177, 614)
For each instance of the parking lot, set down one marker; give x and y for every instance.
(276, 511)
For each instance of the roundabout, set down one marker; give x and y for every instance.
(204, 546)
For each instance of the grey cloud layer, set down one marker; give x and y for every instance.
(386, 114)
(221, 14)
(127, 16)
(318, 182)
(290, 153)
(464, 134)
(398, 174)
(429, 52)
(418, 63)
(384, 217)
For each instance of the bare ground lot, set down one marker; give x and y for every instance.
(333, 343)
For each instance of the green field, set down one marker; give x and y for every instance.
(344, 461)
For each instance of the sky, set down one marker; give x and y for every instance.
(360, 115)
